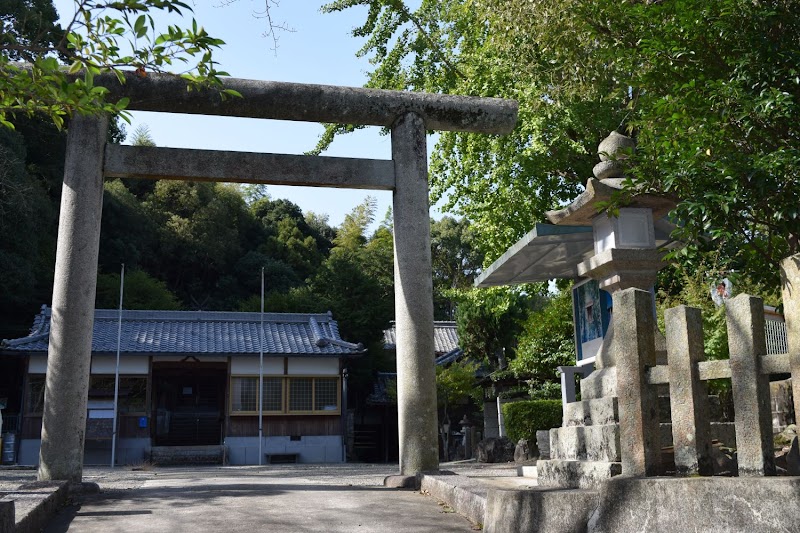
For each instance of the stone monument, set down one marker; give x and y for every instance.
(586, 449)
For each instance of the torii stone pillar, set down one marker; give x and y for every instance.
(416, 373)
(88, 160)
(70, 347)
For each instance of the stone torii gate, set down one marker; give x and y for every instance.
(89, 160)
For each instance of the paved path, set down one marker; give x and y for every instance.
(303, 498)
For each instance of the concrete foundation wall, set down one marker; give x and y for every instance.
(654, 505)
(129, 451)
(312, 449)
(702, 504)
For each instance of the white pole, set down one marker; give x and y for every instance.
(261, 376)
(501, 425)
(116, 371)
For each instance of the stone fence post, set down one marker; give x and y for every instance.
(751, 400)
(790, 286)
(691, 432)
(634, 350)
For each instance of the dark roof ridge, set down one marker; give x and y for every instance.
(204, 316)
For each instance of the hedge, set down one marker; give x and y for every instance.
(523, 419)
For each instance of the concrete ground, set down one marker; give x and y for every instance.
(275, 498)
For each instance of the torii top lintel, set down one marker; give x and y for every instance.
(315, 103)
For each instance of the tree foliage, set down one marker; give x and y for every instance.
(488, 322)
(49, 69)
(456, 384)
(547, 342)
(455, 259)
(708, 89)
(142, 291)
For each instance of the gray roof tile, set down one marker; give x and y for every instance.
(201, 332)
(445, 337)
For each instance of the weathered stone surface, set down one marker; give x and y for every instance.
(607, 169)
(522, 452)
(623, 268)
(746, 341)
(581, 211)
(516, 511)
(691, 431)
(595, 412)
(543, 443)
(153, 162)
(602, 443)
(593, 443)
(634, 351)
(315, 103)
(698, 504)
(575, 474)
(495, 450)
(7, 515)
(613, 146)
(35, 504)
(401, 482)
(74, 287)
(416, 375)
(601, 383)
(466, 495)
(793, 458)
(567, 443)
(790, 291)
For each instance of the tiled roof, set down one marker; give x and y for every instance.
(201, 332)
(445, 337)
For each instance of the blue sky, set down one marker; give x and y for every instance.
(318, 50)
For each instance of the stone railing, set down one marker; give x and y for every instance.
(749, 368)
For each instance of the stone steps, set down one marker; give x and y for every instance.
(588, 443)
(597, 412)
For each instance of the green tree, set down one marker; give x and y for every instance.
(547, 341)
(141, 187)
(128, 234)
(709, 90)
(456, 384)
(142, 291)
(31, 168)
(202, 234)
(488, 322)
(455, 259)
(24, 211)
(51, 70)
(353, 232)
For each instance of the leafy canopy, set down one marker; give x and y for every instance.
(708, 89)
(49, 69)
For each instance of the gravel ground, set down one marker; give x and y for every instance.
(350, 474)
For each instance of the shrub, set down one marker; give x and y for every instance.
(523, 419)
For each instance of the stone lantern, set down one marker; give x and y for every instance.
(625, 253)
(625, 249)
(582, 242)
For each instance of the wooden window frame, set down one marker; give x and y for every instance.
(30, 412)
(285, 396)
